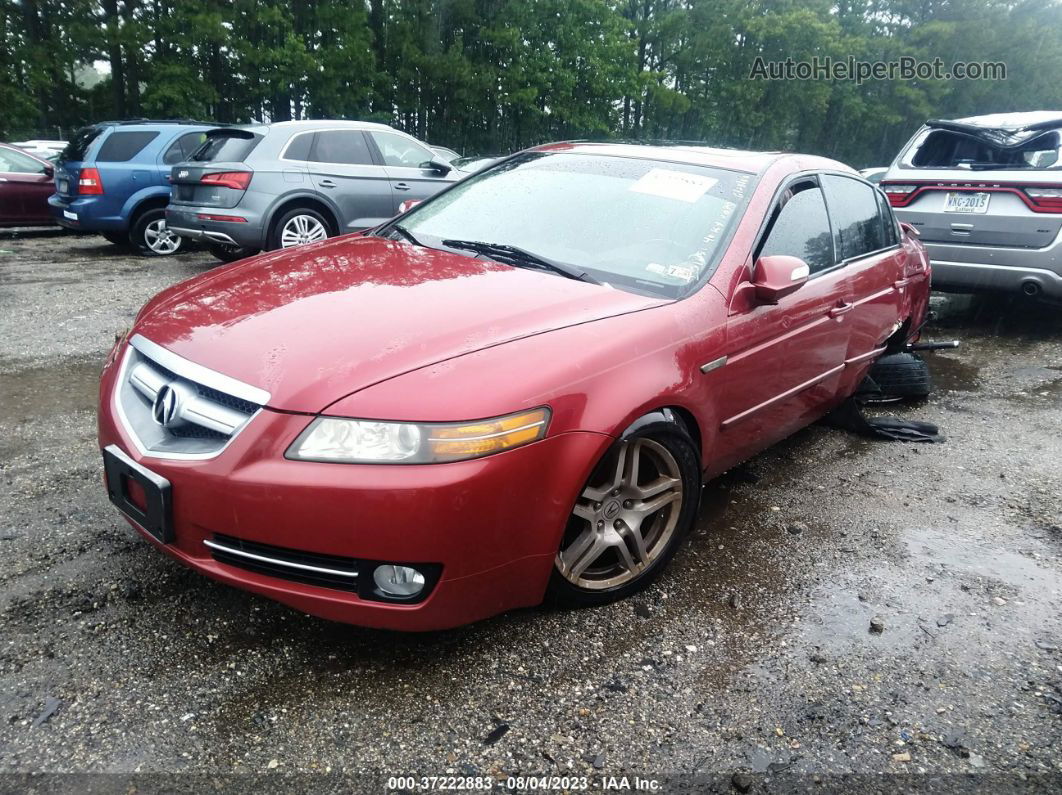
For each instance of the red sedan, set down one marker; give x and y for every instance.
(26, 182)
(511, 393)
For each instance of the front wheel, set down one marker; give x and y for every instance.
(150, 236)
(630, 517)
(230, 253)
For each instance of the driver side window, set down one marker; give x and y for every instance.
(13, 162)
(399, 151)
(801, 228)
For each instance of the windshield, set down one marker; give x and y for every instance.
(642, 225)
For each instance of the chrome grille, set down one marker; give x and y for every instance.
(178, 409)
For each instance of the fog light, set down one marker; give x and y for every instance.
(401, 581)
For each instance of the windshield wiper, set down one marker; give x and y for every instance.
(406, 234)
(512, 255)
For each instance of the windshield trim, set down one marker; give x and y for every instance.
(725, 239)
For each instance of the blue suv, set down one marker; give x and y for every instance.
(113, 178)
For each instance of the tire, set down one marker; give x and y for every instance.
(150, 237)
(298, 226)
(230, 253)
(118, 238)
(599, 559)
(902, 376)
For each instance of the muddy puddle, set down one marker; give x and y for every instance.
(42, 392)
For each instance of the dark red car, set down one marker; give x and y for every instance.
(512, 392)
(26, 182)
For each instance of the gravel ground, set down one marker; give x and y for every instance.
(753, 656)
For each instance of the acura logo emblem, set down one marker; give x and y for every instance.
(164, 409)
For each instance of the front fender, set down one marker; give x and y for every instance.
(597, 377)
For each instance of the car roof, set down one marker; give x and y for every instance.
(307, 124)
(1013, 121)
(699, 155)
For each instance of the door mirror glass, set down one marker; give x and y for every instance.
(777, 276)
(49, 171)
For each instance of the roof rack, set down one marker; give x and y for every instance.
(158, 121)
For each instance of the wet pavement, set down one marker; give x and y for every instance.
(753, 654)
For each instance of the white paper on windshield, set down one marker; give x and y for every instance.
(677, 185)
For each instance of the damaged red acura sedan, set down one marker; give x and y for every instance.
(513, 392)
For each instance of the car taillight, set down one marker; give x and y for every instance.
(1046, 199)
(898, 194)
(237, 180)
(89, 183)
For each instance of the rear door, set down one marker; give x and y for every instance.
(343, 170)
(25, 185)
(408, 164)
(869, 242)
(784, 361)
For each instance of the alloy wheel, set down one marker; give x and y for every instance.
(160, 239)
(623, 521)
(301, 229)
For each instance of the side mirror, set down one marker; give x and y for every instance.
(777, 276)
(440, 166)
(407, 205)
(910, 230)
(49, 171)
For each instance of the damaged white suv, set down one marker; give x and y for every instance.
(985, 194)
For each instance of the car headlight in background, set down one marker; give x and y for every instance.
(373, 442)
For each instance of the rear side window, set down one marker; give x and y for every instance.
(121, 146)
(347, 147)
(801, 228)
(298, 147)
(855, 212)
(79, 144)
(228, 146)
(892, 232)
(183, 147)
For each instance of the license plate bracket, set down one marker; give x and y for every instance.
(154, 515)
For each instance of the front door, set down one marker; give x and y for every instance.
(25, 185)
(784, 361)
(408, 165)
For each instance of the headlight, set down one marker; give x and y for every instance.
(373, 442)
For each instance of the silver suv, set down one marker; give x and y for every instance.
(985, 194)
(269, 186)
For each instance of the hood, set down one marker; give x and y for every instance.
(314, 324)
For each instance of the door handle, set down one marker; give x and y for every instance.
(840, 309)
(401, 186)
(326, 183)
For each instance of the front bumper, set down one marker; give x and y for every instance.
(185, 221)
(493, 524)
